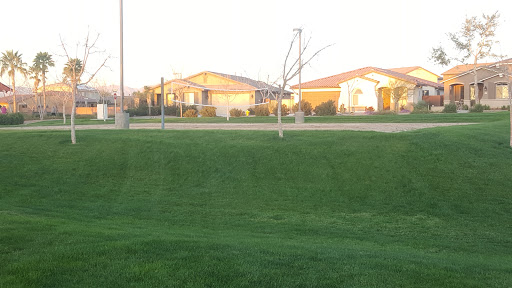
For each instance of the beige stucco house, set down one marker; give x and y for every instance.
(220, 90)
(369, 87)
(493, 83)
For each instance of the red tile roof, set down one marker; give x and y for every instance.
(335, 80)
(462, 68)
(4, 88)
(405, 70)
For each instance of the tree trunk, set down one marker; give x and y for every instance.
(73, 112)
(44, 95)
(510, 110)
(15, 108)
(475, 84)
(279, 122)
(181, 109)
(227, 110)
(64, 111)
(149, 105)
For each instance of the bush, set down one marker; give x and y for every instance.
(190, 113)
(236, 112)
(12, 119)
(261, 110)
(326, 109)
(478, 108)
(505, 107)
(369, 109)
(208, 111)
(486, 107)
(420, 108)
(450, 108)
(251, 111)
(305, 106)
(284, 110)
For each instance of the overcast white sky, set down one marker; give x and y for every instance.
(248, 38)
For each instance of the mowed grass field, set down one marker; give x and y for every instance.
(151, 208)
(392, 118)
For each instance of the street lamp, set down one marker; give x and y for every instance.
(299, 115)
(300, 63)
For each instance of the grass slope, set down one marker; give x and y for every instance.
(392, 118)
(427, 208)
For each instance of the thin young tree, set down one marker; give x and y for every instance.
(398, 90)
(290, 72)
(11, 62)
(149, 97)
(473, 42)
(35, 74)
(75, 69)
(43, 61)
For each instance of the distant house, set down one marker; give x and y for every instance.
(24, 98)
(418, 72)
(369, 86)
(493, 83)
(217, 89)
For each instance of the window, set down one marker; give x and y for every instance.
(501, 90)
(426, 93)
(355, 97)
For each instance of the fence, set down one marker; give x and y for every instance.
(436, 100)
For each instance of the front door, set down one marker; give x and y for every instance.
(386, 98)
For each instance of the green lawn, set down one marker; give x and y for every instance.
(152, 208)
(410, 118)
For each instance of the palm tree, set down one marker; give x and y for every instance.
(11, 63)
(35, 73)
(43, 61)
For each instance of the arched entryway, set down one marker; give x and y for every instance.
(456, 92)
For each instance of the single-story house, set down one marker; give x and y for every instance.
(221, 90)
(493, 83)
(418, 72)
(369, 87)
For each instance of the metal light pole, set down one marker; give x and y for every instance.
(122, 119)
(300, 63)
(299, 115)
(121, 52)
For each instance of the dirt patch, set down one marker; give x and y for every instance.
(378, 127)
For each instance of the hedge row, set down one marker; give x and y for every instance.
(12, 119)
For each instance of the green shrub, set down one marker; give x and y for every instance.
(326, 109)
(505, 107)
(478, 108)
(236, 112)
(261, 110)
(284, 110)
(420, 108)
(486, 107)
(12, 119)
(190, 113)
(450, 108)
(208, 111)
(305, 106)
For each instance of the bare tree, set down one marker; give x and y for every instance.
(178, 89)
(474, 41)
(290, 72)
(398, 90)
(351, 85)
(75, 69)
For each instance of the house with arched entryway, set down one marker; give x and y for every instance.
(374, 87)
(493, 82)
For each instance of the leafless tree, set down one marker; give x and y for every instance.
(398, 90)
(76, 68)
(290, 71)
(474, 41)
